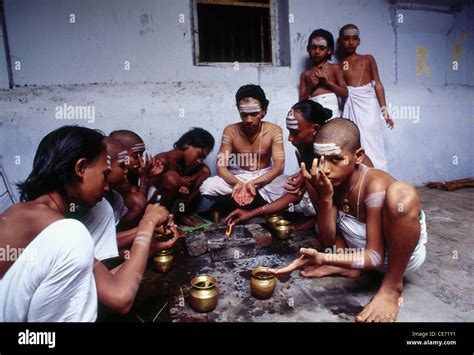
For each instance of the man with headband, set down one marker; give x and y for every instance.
(366, 99)
(381, 221)
(251, 157)
(323, 82)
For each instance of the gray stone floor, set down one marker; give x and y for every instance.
(440, 291)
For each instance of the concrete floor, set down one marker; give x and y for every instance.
(440, 291)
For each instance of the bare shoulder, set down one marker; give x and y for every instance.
(377, 181)
(28, 218)
(272, 127)
(164, 157)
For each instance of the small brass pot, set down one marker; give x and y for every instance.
(262, 283)
(281, 232)
(204, 293)
(215, 216)
(163, 260)
(272, 221)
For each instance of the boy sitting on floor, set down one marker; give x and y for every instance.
(380, 219)
(184, 173)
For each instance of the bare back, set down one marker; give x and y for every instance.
(20, 225)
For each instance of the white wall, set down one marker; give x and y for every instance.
(163, 79)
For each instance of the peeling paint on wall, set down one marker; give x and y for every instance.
(421, 67)
(457, 48)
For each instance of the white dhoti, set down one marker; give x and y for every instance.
(362, 107)
(216, 186)
(306, 206)
(354, 233)
(52, 280)
(328, 101)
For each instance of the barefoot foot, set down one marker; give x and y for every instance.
(383, 307)
(327, 270)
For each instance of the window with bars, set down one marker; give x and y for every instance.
(229, 31)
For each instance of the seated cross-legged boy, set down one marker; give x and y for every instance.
(184, 172)
(251, 158)
(381, 221)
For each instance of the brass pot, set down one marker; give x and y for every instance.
(262, 283)
(281, 232)
(163, 260)
(204, 293)
(215, 216)
(272, 221)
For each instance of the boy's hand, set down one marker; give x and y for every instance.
(157, 168)
(156, 214)
(183, 191)
(312, 79)
(388, 119)
(243, 194)
(187, 180)
(321, 75)
(239, 215)
(294, 184)
(308, 257)
(318, 179)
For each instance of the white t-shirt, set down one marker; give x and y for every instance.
(52, 280)
(100, 221)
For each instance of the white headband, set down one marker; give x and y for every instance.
(351, 32)
(138, 147)
(326, 149)
(319, 42)
(291, 122)
(121, 156)
(249, 108)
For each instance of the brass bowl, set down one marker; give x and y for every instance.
(281, 232)
(204, 293)
(163, 260)
(272, 221)
(262, 283)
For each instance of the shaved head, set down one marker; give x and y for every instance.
(126, 137)
(113, 146)
(340, 131)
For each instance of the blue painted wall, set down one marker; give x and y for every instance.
(415, 59)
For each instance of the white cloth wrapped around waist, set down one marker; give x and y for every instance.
(354, 233)
(362, 107)
(329, 101)
(217, 186)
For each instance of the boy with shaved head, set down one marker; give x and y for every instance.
(380, 219)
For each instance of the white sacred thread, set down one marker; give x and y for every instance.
(375, 199)
(326, 149)
(351, 32)
(319, 42)
(138, 147)
(375, 258)
(249, 108)
(291, 122)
